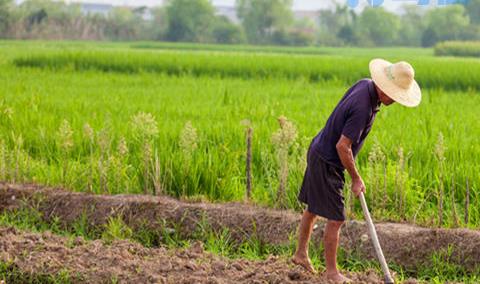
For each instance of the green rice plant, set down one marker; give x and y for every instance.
(104, 141)
(377, 164)
(121, 165)
(458, 48)
(436, 73)
(89, 134)
(145, 130)
(215, 91)
(65, 139)
(456, 222)
(440, 155)
(467, 202)
(157, 181)
(248, 157)
(3, 161)
(188, 144)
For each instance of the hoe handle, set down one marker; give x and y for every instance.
(376, 244)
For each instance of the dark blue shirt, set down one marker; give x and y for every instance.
(352, 117)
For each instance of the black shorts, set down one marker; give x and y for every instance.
(322, 188)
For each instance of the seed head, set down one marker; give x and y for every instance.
(188, 139)
(286, 135)
(376, 155)
(401, 156)
(103, 140)
(144, 126)
(65, 135)
(122, 147)
(440, 148)
(88, 131)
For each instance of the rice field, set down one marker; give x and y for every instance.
(116, 118)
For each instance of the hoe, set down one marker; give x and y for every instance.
(376, 244)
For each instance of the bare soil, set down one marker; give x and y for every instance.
(127, 262)
(406, 245)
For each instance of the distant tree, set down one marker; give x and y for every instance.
(413, 26)
(348, 35)
(377, 27)
(124, 24)
(159, 23)
(473, 10)
(336, 26)
(429, 37)
(190, 20)
(224, 31)
(262, 18)
(5, 6)
(447, 23)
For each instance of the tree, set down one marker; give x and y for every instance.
(336, 26)
(190, 20)
(412, 26)
(448, 23)
(159, 23)
(224, 31)
(378, 27)
(124, 24)
(262, 18)
(473, 10)
(5, 6)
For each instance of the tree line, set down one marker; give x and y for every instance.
(260, 22)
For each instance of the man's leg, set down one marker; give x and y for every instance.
(331, 239)
(304, 232)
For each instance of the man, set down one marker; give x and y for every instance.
(334, 149)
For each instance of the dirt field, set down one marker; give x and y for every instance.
(403, 244)
(95, 262)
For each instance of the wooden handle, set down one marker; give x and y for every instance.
(376, 243)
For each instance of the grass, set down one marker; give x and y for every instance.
(107, 118)
(351, 51)
(116, 132)
(216, 242)
(10, 273)
(458, 48)
(40, 101)
(460, 74)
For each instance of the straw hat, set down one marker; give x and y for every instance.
(396, 81)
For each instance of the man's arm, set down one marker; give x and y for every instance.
(344, 150)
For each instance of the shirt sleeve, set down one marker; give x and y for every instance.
(355, 123)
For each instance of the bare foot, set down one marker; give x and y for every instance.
(338, 278)
(304, 262)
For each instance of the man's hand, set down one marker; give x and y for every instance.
(344, 149)
(358, 186)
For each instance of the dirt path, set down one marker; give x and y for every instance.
(127, 262)
(406, 245)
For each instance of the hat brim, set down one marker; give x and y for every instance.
(410, 97)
